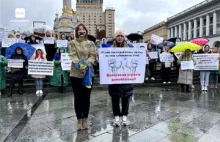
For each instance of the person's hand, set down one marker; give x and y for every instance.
(23, 60)
(0, 61)
(83, 70)
(218, 58)
(60, 61)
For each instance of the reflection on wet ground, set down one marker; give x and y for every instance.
(156, 115)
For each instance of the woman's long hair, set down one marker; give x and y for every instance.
(37, 55)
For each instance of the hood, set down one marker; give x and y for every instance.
(61, 48)
(18, 48)
(203, 49)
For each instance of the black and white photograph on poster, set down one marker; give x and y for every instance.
(122, 65)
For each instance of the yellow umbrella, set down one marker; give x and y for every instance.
(182, 47)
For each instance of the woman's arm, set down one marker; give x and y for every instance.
(92, 54)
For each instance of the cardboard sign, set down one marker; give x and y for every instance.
(187, 65)
(206, 61)
(62, 43)
(122, 65)
(66, 62)
(166, 58)
(6, 42)
(155, 39)
(40, 67)
(48, 40)
(15, 63)
(153, 55)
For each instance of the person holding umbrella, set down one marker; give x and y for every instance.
(18, 74)
(3, 64)
(185, 78)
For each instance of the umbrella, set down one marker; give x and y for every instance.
(91, 38)
(134, 36)
(200, 41)
(184, 46)
(28, 50)
(172, 40)
(169, 44)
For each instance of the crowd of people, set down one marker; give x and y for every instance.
(81, 49)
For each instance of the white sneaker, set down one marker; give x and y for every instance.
(169, 82)
(164, 83)
(146, 78)
(41, 92)
(124, 121)
(205, 88)
(152, 78)
(37, 92)
(116, 122)
(193, 87)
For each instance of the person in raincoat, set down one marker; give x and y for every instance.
(120, 92)
(185, 78)
(18, 74)
(60, 77)
(81, 49)
(39, 55)
(3, 64)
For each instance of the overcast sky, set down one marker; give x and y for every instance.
(131, 15)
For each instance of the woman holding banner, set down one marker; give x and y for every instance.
(18, 74)
(185, 78)
(152, 62)
(165, 70)
(60, 77)
(3, 64)
(81, 49)
(204, 75)
(120, 91)
(39, 55)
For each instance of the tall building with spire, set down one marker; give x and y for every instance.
(100, 24)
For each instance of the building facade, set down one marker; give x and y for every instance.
(201, 20)
(159, 29)
(100, 24)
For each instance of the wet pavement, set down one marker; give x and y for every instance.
(156, 115)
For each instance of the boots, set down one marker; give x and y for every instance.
(187, 89)
(182, 88)
(85, 123)
(11, 90)
(79, 124)
(20, 89)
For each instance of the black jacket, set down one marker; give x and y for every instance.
(120, 90)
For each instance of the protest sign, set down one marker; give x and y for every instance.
(48, 40)
(1, 35)
(206, 61)
(62, 43)
(147, 61)
(15, 63)
(153, 55)
(66, 62)
(20, 41)
(155, 39)
(40, 67)
(178, 54)
(140, 45)
(6, 42)
(122, 65)
(187, 65)
(166, 58)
